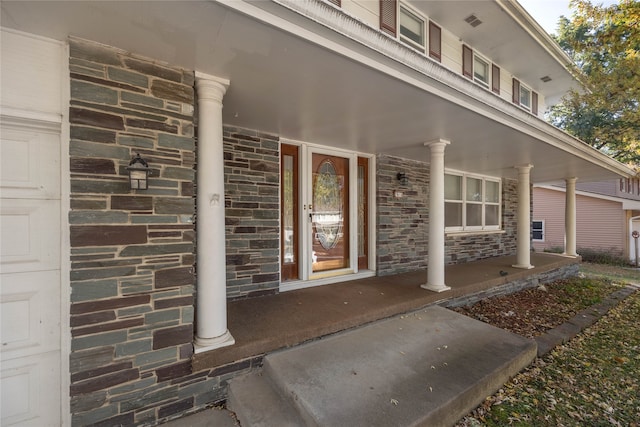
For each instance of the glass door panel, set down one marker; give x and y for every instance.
(329, 213)
(363, 213)
(289, 212)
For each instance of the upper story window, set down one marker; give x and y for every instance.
(525, 97)
(415, 30)
(472, 202)
(481, 70)
(412, 28)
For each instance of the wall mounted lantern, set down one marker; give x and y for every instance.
(138, 173)
(403, 178)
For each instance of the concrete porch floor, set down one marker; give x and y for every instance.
(264, 324)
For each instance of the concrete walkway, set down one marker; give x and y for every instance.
(428, 368)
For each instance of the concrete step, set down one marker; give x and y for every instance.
(429, 367)
(256, 403)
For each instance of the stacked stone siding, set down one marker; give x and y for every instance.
(252, 215)
(403, 222)
(132, 252)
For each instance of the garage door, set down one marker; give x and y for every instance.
(30, 233)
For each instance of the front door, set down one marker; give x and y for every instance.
(324, 215)
(329, 213)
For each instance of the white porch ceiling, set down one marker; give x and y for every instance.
(301, 89)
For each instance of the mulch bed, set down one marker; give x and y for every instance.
(532, 312)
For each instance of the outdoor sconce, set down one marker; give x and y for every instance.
(403, 178)
(138, 173)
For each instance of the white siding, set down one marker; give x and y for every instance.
(366, 10)
(451, 51)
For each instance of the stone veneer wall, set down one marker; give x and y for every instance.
(132, 277)
(403, 223)
(252, 215)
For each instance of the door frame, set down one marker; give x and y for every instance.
(307, 277)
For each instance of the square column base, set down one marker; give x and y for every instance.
(435, 288)
(205, 344)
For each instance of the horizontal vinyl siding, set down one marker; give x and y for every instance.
(548, 206)
(451, 51)
(366, 10)
(601, 187)
(600, 223)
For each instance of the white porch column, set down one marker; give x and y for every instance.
(435, 272)
(211, 308)
(523, 251)
(570, 218)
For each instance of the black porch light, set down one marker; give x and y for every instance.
(403, 178)
(138, 173)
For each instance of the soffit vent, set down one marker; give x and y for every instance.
(472, 20)
(545, 79)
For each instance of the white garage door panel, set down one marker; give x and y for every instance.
(30, 235)
(33, 75)
(29, 161)
(27, 386)
(31, 72)
(29, 304)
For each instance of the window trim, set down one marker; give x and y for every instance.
(482, 228)
(533, 229)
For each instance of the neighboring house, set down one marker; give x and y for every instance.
(607, 214)
(358, 138)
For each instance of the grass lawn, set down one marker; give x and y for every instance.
(593, 380)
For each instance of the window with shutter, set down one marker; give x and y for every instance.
(467, 61)
(388, 19)
(516, 92)
(495, 78)
(435, 41)
(534, 103)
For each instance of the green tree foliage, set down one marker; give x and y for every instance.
(604, 42)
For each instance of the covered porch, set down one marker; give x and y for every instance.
(263, 324)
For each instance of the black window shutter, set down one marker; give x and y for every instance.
(435, 41)
(388, 11)
(336, 2)
(495, 78)
(467, 61)
(534, 103)
(516, 91)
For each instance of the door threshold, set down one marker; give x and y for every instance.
(302, 284)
